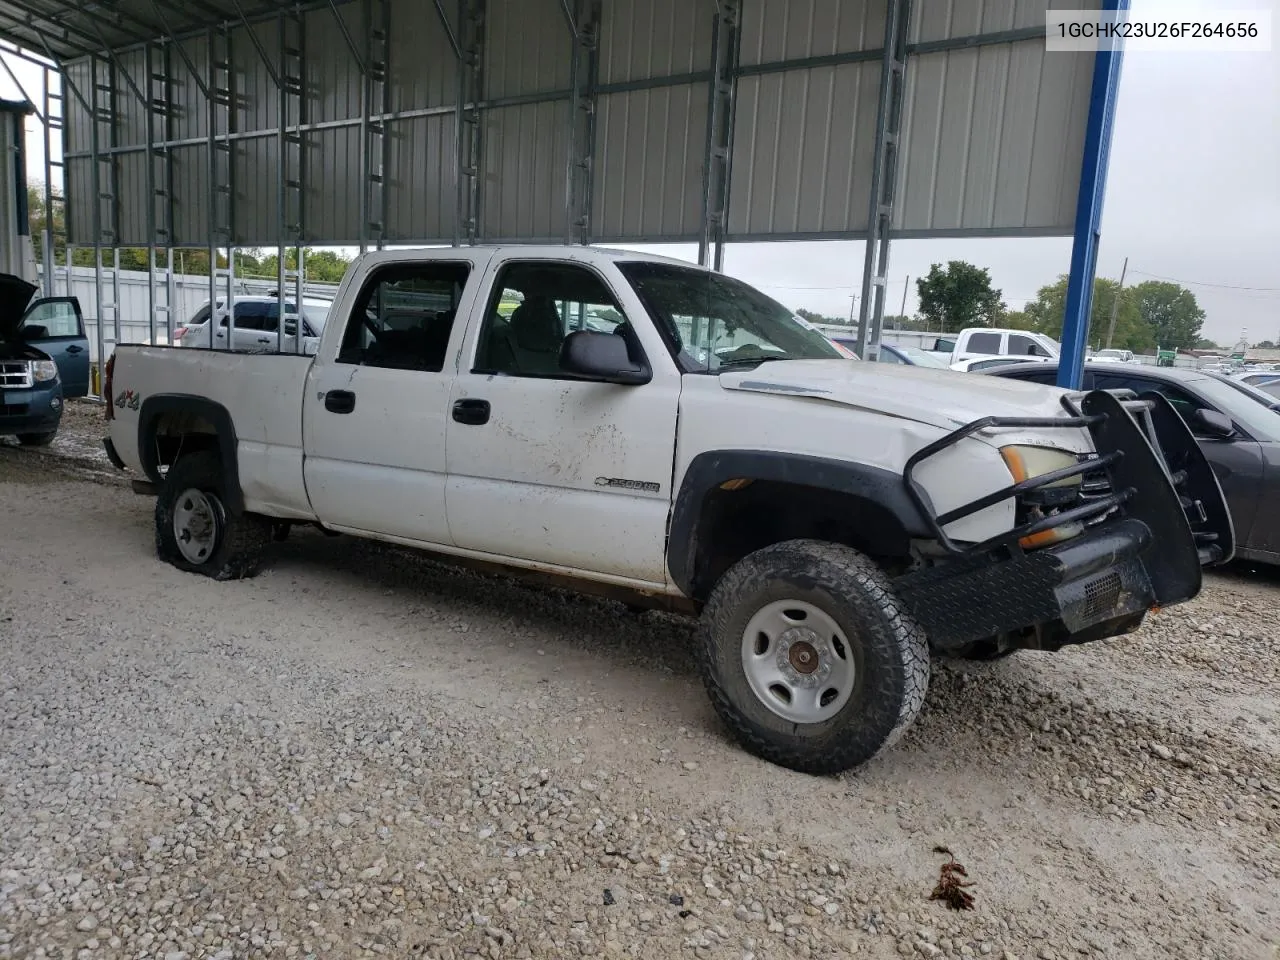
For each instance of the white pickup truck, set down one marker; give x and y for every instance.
(975, 345)
(651, 431)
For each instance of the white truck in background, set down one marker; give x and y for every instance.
(976, 344)
(637, 427)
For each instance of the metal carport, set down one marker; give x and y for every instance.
(229, 123)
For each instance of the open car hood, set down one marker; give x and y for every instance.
(15, 295)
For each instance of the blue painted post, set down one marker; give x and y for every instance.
(1093, 187)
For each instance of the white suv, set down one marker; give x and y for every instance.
(257, 328)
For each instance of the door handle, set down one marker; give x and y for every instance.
(339, 401)
(471, 412)
(264, 339)
(74, 349)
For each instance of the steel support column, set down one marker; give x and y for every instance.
(52, 123)
(718, 156)
(1093, 188)
(884, 178)
(377, 99)
(584, 35)
(291, 177)
(470, 134)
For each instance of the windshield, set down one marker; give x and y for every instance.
(1111, 354)
(714, 322)
(317, 314)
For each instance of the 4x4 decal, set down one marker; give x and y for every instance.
(129, 398)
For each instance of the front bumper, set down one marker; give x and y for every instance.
(1103, 581)
(30, 410)
(1053, 596)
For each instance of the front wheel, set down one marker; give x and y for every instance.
(809, 659)
(194, 529)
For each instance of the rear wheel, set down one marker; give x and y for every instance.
(194, 529)
(37, 439)
(809, 659)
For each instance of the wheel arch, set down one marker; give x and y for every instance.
(721, 485)
(166, 416)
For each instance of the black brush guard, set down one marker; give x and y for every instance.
(1159, 492)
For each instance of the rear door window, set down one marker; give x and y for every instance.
(984, 343)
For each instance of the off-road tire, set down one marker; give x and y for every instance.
(890, 650)
(237, 553)
(37, 439)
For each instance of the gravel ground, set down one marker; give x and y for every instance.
(361, 753)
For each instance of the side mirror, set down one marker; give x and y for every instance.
(35, 331)
(1213, 424)
(602, 356)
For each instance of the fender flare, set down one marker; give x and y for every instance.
(708, 470)
(154, 407)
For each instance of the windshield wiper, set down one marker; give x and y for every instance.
(745, 360)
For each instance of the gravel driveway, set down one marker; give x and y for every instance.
(361, 753)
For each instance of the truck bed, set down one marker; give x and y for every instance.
(263, 394)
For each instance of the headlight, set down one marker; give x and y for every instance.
(44, 370)
(1028, 462)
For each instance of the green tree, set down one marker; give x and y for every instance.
(190, 262)
(1171, 310)
(324, 266)
(1205, 344)
(1016, 320)
(1049, 309)
(959, 296)
(1265, 345)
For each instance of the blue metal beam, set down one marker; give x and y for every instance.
(1093, 187)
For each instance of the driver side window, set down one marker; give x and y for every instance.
(534, 307)
(58, 317)
(404, 317)
(1020, 346)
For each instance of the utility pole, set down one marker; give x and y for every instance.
(1115, 304)
(902, 311)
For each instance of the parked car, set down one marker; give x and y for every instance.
(893, 353)
(832, 522)
(1258, 378)
(44, 358)
(257, 326)
(982, 364)
(1240, 438)
(1270, 387)
(1113, 356)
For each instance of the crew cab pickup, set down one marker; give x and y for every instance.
(975, 343)
(649, 430)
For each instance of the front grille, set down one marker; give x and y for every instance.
(14, 409)
(15, 374)
(1101, 594)
(1094, 486)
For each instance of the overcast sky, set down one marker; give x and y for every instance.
(1193, 195)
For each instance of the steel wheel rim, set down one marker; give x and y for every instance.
(798, 661)
(197, 524)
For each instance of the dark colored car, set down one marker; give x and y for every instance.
(44, 357)
(1238, 431)
(891, 353)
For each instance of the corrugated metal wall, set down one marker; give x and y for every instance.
(992, 130)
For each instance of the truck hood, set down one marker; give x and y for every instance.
(941, 398)
(15, 294)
